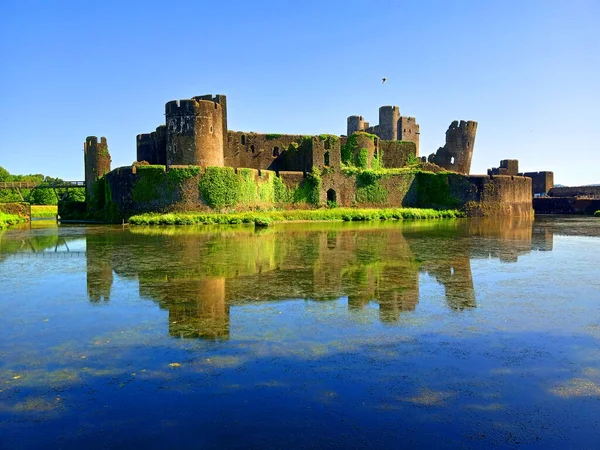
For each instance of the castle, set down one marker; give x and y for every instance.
(196, 135)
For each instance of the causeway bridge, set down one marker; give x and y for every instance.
(18, 185)
(41, 184)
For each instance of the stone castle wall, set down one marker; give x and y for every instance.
(135, 190)
(575, 191)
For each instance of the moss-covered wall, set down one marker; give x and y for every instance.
(397, 153)
(140, 189)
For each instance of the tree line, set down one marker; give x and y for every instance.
(37, 196)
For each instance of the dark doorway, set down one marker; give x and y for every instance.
(331, 196)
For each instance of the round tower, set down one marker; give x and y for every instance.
(355, 123)
(363, 140)
(388, 122)
(97, 163)
(194, 133)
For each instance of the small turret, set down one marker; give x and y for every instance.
(97, 164)
(355, 124)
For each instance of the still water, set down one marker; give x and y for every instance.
(422, 334)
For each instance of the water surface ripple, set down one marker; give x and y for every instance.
(448, 333)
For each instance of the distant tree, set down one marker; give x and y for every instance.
(4, 174)
(43, 196)
(75, 195)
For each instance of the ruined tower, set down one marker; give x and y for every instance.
(408, 130)
(456, 155)
(196, 129)
(97, 164)
(388, 122)
(355, 123)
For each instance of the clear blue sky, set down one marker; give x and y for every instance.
(527, 71)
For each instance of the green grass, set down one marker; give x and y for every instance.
(267, 217)
(7, 220)
(44, 211)
(597, 214)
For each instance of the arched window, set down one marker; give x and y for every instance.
(243, 139)
(252, 148)
(326, 159)
(452, 160)
(275, 151)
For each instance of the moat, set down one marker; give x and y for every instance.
(433, 333)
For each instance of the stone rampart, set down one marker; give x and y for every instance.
(575, 191)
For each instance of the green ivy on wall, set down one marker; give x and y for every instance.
(368, 189)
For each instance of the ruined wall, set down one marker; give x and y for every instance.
(134, 190)
(194, 133)
(456, 155)
(289, 152)
(409, 131)
(507, 167)
(326, 151)
(396, 153)
(97, 164)
(496, 196)
(541, 182)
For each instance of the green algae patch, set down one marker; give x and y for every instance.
(265, 218)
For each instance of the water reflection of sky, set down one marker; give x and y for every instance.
(431, 333)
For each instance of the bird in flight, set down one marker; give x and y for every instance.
(383, 80)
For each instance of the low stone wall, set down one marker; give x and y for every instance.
(575, 191)
(20, 209)
(498, 195)
(134, 190)
(565, 205)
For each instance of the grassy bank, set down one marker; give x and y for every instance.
(597, 214)
(7, 220)
(266, 217)
(44, 211)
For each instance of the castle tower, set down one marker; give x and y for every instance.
(388, 122)
(152, 147)
(144, 144)
(456, 155)
(408, 130)
(97, 163)
(355, 123)
(195, 132)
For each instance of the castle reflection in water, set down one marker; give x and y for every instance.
(198, 274)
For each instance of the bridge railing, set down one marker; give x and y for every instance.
(42, 184)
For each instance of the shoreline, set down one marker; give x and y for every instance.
(265, 218)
